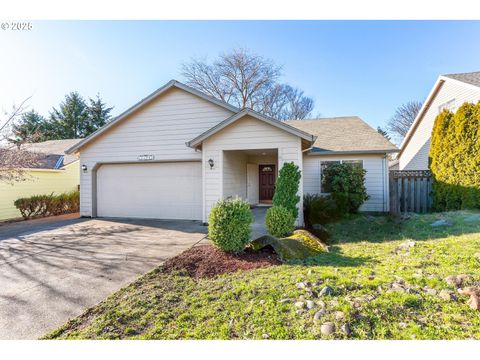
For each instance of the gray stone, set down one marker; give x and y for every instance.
(299, 312)
(447, 295)
(300, 304)
(333, 303)
(318, 315)
(265, 336)
(327, 328)
(302, 285)
(440, 222)
(283, 301)
(346, 329)
(327, 290)
(398, 288)
(339, 315)
(310, 304)
(261, 302)
(430, 291)
(457, 280)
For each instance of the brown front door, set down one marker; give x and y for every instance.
(267, 182)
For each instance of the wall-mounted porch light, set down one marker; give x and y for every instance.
(211, 163)
(84, 168)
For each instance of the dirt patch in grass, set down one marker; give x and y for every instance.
(207, 261)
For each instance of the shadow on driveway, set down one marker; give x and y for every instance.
(53, 271)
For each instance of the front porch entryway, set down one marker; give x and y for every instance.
(250, 174)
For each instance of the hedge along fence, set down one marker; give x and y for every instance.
(455, 159)
(48, 205)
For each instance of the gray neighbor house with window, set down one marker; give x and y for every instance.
(178, 151)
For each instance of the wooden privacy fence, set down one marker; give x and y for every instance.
(410, 191)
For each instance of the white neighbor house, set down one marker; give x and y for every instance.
(450, 91)
(178, 151)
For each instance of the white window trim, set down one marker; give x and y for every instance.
(341, 162)
(449, 105)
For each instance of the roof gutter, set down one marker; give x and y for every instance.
(346, 152)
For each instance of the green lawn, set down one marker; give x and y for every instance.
(367, 258)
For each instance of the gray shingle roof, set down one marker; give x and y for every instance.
(53, 151)
(472, 78)
(343, 135)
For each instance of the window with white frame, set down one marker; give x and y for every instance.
(449, 105)
(325, 186)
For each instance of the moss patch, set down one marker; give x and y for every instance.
(299, 246)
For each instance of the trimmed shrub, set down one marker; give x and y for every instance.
(454, 159)
(48, 205)
(318, 209)
(286, 188)
(229, 225)
(279, 221)
(348, 186)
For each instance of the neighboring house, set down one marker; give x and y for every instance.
(449, 92)
(55, 172)
(178, 151)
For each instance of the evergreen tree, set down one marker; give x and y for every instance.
(30, 128)
(455, 158)
(384, 133)
(71, 121)
(286, 188)
(98, 113)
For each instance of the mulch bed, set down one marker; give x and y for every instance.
(205, 261)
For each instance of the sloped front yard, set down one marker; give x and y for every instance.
(381, 280)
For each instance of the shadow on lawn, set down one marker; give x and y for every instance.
(377, 229)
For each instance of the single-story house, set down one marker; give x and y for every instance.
(449, 92)
(176, 152)
(54, 172)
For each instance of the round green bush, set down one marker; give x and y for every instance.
(279, 221)
(229, 225)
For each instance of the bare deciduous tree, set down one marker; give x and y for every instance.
(403, 118)
(14, 159)
(246, 80)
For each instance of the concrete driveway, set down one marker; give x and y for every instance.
(52, 270)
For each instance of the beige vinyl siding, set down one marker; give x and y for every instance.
(246, 133)
(234, 174)
(39, 182)
(415, 154)
(376, 178)
(161, 128)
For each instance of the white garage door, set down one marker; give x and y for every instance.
(154, 190)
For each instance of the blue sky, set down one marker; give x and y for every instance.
(364, 68)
